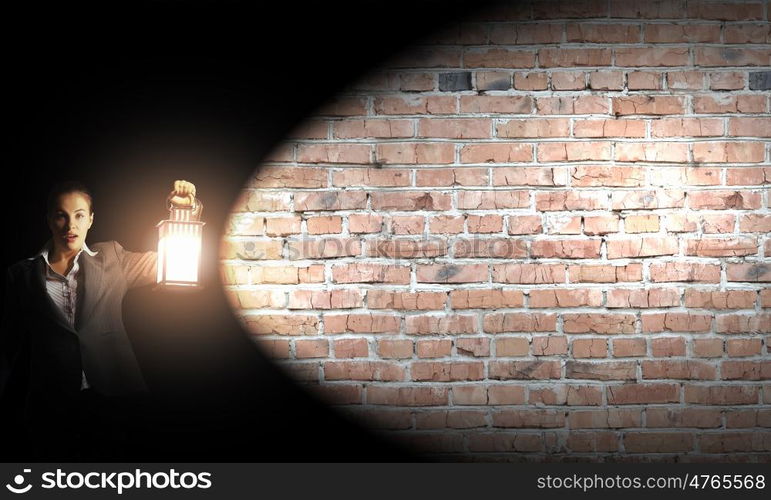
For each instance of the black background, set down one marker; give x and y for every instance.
(128, 96)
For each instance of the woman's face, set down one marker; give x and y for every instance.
(70, 221)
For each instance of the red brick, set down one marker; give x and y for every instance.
(534, 370)
(469, 395)
(608, 128)
(525, 34)
(664, 347)
(311, 349)
(568, 80)
(275, 349)
(720, 395)
(451, 273)
(451, 177)
(685, 80)
(416, 153)
(590, 348)
(567, 105)
(745, 370)
(378, 128)
(464, 128)
(631, 347)
(550, 345)
(722, 247)
(744, 347)
(446, 224)
(648, 105)
(531, 81)
(605, 273)
(723, 200)
(388, 348)
(748, 176)
(324, 225)
(599, 323)
(406, 248)
(407, 396)
(749, 127)
(446, 324)
(602, 419)
(446, 372)
(525, 224)
(587, 297)
(676, 322)
(643, 393)
(472, 346)
(587, 176)
(652, 152)
(730, 299)
(498, 58)
(687, 127)
(361, 323)
(600, 224)
(730, 152)
(493, 80)
(492, 200)
(727, 80)
(323, 248)
(563, 224)
(384, 299)
(363, 370)
(720, 56)
(387, 177)
(325, 299)
(530, 128)
(496, 153)
(685, 271)
(519, 322)
(658, 442)
(410, 200)
(334, 153)
(644, 80)
(641, 224)
(602, 370)
(682, 33)
(330, 200)
(285, 324)
(371, 273)
(708, 348)
(729, 104)
(486, 299)
(643, 298)
(258, 299)
(570, 200)
(671, 369)
(529, 273)
(485, 223)
(698, 176)
(511, 346)
(351, 348)
(642, 246)
(415, 105)
(576, 9)
(573, 151)
(433, 348)
(754, 272)
(743, 323)
(688, 417)
(367, 223)
(528, 418)
(291, 177)
(568, 58)
(566, 249)
(496, 104)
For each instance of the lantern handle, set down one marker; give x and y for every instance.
(197, 206)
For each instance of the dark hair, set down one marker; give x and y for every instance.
(66, 187)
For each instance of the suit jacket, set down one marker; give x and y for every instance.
(37, 341)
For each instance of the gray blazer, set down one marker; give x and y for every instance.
(56, 352)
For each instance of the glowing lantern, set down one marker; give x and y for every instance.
(179, 247)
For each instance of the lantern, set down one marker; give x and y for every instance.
(179, 247)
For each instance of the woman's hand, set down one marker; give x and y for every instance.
(183, 194)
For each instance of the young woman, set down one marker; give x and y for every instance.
(63, 346)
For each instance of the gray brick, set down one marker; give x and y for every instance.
(451, 82)
(760, 80)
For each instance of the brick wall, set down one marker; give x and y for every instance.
(539, 234)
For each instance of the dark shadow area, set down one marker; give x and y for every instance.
(127, 97)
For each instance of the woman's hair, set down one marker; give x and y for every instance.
(65, 187)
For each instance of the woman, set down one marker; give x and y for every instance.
(63, 346)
